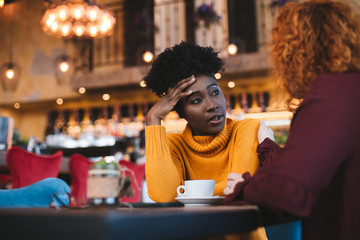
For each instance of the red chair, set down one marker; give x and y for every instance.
(79, 166)
(5, 180)
(137, 175)
(27, 168)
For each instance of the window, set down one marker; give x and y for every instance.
(242, 25)
(139, 31)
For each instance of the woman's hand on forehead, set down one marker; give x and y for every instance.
(167, 103)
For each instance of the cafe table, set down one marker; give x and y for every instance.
(127, 223)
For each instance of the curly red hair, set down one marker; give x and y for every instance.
(313, 38)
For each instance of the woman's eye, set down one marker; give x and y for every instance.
(216, 92)
(196, 101)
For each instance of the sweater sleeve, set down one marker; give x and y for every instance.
(323, 133)
(268, 151)
(163, 173)
(245, 157)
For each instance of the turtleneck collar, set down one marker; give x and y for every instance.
(209, 145)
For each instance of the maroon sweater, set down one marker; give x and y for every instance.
(316, 176)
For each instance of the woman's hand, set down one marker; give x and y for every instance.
(233, 179)
(264, 132)
(166, 104)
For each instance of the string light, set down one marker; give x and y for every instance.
(148, 56)
(17, 105)
(142, 83)
(106, 96)
(232, 49)
(59, 101)
(231, 84)
(82, 90)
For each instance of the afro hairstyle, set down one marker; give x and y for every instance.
(179, 62)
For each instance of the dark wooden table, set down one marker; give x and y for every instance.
(128, 223)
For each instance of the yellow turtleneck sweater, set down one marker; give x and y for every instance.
(173, 158)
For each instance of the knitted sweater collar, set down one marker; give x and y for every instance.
(209, 144)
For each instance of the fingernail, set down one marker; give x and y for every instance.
(190, 91)
(192, 78)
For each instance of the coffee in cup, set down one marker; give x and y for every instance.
(196, 188)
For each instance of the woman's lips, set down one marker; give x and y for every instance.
(216, 119)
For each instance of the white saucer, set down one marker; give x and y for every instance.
(199, 201)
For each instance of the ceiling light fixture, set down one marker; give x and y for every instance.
(64, 69)
(10, 71)
(79, 20)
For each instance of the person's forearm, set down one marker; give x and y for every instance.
(152, 120)
(162, 173)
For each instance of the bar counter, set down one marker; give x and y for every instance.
(128, 223)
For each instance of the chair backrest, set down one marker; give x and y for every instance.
(137, 175)
(4, 180)
(79, 166)
(27, 168)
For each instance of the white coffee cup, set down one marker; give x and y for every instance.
(196, 188)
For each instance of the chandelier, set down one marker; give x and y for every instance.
(79, 20)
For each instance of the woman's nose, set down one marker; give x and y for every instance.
(212, 106)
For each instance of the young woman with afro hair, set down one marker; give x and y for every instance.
(211, 146)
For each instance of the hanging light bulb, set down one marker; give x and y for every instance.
(79, 30)
(93, 12)
(64, 69)
(10, 76)
(65, 29)
(10, 73)
(92, 30)
(54, 26)
(64, 66)
(63, 12)
(77, 11)
(2, 2)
